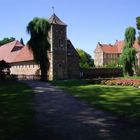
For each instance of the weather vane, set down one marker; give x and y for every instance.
(53, 9)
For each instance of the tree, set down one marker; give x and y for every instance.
(86, 60)
(128, 56)
(38, 29)
(21, 41)
(4, 69)
(138, 27)
(6, 40)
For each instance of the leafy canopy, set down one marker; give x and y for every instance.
(21, 41)
(86, 60)
(6, 40)
(138, 27)
(128, 56)
(138, 23)
(129, 37)
(38, 28)
(4, 69)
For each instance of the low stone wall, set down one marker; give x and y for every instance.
(26, 77)
(101, 73)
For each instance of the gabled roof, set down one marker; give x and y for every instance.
(55, 20)
(120, 45)
(108, 48)
(70, 49)
(117, 47)
(25, 54)
(9, 51)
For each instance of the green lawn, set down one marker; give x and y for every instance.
(16, 111)
(120, 100)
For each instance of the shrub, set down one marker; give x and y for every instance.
(4, 69)
(138, 71)
(123, 82)
(102, 73)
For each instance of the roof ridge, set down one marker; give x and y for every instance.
(8, 43)
(17, 41)
(21, 55)
(54, 19)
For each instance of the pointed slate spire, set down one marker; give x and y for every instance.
(55, 20)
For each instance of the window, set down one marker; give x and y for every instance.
(60, 44)
(69, 53)
(60, 65)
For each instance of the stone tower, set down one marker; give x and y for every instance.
(58, 51)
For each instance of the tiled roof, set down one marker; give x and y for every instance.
(107, 48)
(9, 51)
(136, 46)
(55, 20)
(117, 47)
(70, 49)
(25, 54)
(120, 45)
(15, 52)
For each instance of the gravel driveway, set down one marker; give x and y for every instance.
(59, 116)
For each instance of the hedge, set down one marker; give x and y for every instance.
(101, 73)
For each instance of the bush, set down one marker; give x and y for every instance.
(123, 82)
(4, 69)
(138, 71)
(101, 73)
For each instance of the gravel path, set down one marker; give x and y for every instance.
(62, 117)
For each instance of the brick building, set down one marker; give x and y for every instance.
(108, 54)
(63, 57)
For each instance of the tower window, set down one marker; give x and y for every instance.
(60, 44)
(60, 65)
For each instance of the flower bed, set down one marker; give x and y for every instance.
(123, 82)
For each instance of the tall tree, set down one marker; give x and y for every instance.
(128, 56)
(138, 27)
(21, 41)
(86, 60)
(38, 29)
(6, 40)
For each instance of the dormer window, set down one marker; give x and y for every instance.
(16, 48)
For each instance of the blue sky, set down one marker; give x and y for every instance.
(89, 21)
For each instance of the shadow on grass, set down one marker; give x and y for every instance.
(62, 117)
(16, 111)
(121, 100)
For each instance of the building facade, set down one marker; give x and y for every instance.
(63, 58)
(108, 54)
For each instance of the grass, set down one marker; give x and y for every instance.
(120, 100)
(16, 111)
